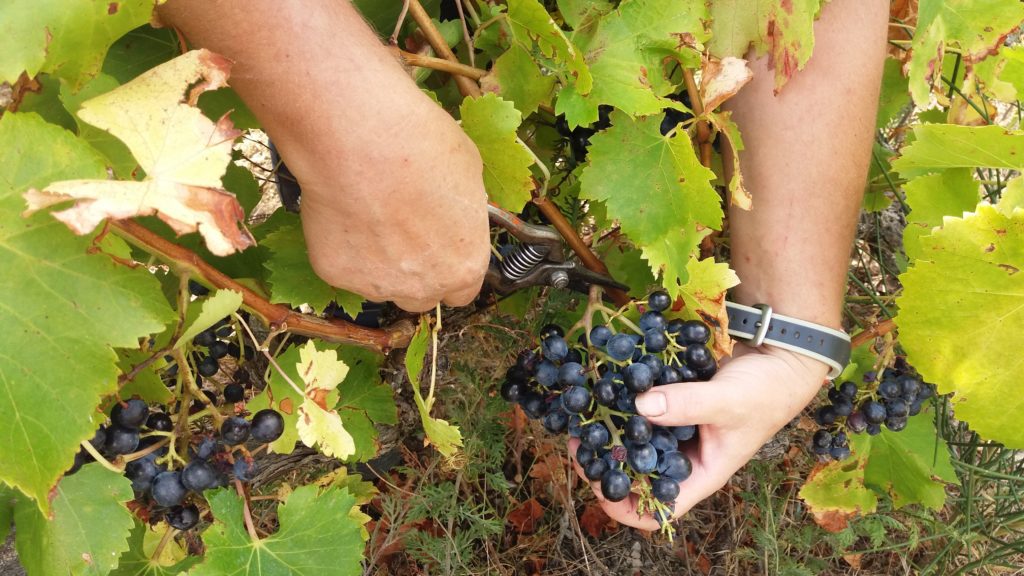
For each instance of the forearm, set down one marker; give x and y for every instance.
(393, 199)
(805, 163)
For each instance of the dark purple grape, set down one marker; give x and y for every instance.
(910, 387)
(197, 289)
(205, 338)
(659, 301)
(551, 330)
(620, 347)
(825, 416)
(625, 401)
(160, 422)
(198, 476)
(554, 348)
(575, 427)
(122, 440)
(234, 393)
(683, 433)
(208, 366)
(584, 455)
(572, 374)
(638, 378)
(638, 430)
(218, 350)
(663, 440)
(896, 423)
(576, 399)
(556, 421)
(856, 422)
(843, 407)
(245, 470)
(183, 517)
(130, 414)
(693, 332)
(599, 335)
(234, 430)
(665, 490)
(896, 408)
(534, 405)
(652, 320)
(699, 358)
(655, 340)
(615, 485)
(848, 389)
(604, 392)
(889, 389)
(527, 360)
(547, 374)
(595, 469)
(915, 407)
(167, 489)
(840, 452)
(99, 439)
(574, 355)
(595, 436)
(873, 411)
(208, 448)
(822, 440)
(653, 362)
(669, 375)
(142, 472)
(874, 429)
(642, 458)
(674, 465)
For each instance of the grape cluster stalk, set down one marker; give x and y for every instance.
(588, 389)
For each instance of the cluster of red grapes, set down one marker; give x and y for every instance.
(589, 389)
(890, 401)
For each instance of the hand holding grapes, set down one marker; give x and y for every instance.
(753, 395)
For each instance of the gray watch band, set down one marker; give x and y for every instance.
(758, 325)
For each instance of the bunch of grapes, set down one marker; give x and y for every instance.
(899, 395)
(169, 453)
(589, 389)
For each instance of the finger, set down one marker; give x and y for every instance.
(686, 403)
(462, 297)
(624, 512)
(416, 305)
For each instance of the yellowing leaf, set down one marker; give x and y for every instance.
(443, 435)
(215, 307)
(324, 428)
(492, 123)
(183, 153)
(704, 295)
(320, 369)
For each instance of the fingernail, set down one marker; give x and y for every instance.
(651, 404)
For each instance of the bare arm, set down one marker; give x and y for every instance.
(393, 200)
(806, 160)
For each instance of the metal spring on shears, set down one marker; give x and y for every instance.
(521, 259)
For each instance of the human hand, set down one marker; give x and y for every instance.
(753, 395)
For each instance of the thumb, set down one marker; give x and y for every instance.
(685, 403)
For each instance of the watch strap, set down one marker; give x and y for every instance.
(759, 325)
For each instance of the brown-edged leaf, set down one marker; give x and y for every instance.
(527, 516)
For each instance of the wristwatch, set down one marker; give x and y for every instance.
(756, 325)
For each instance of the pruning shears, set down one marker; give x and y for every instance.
(538, 259)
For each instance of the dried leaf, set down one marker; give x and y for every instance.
(183, 153)
(595, 522)
(722, 79)
(526, 517)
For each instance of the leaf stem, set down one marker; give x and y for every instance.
(99, 457)
(273, 362)
(467, 86)
(168, 535)
(439, 64)
(246, 514)
(703, 129)
(184, 261)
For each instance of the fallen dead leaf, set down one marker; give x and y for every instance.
(526, 517)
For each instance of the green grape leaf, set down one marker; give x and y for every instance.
(835, 492)
(1012, 70)
(704, 295)
(783, 29)
(363, 389)
(626, 264)
(626, 54)
(862, 361)
(492, 123)
(1013, 197)
(362, 432)
(961, 306)
(120, 157)
(292, 279)
(8, 496)
(443, 435)
(975, 27)
(516, 77)
(948, 193)
(147, 383)
(62, 310)
(139, 50)
(67, 38)
(281, 396)
(657, 189)
(530, 25)
(318, 536)
(940, 146)
(895, 92)
(88, 529)
(912, 466)
(137, 560)
(213, 309)
(580, 13)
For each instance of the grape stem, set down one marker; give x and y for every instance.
(99, 457)
(873, 331)
(263, 348)
(184, 261)
(441, 65)
(168, 535)
(467, 86)
(146, 451)
(703, 130)
(246, 514)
